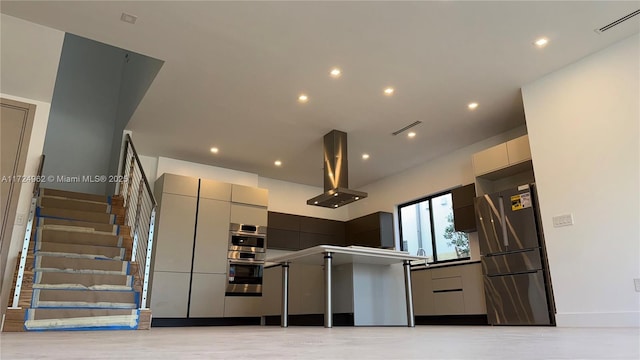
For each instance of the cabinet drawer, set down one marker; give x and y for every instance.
(445, 272)
(448, 303)
(452, 283)
(242, 306)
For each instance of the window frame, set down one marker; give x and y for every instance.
(432, 228)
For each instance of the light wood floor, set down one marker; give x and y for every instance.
(254, 342)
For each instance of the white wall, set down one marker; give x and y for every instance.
(284, 196)
(583, 130)
(29, 57)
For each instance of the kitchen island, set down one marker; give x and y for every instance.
(367, 281)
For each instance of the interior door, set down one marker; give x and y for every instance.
(16, 121)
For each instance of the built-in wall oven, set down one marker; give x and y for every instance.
(247, 244)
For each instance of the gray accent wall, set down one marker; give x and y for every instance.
(98, 88)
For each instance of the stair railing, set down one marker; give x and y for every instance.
(140, 214)
(27, 236)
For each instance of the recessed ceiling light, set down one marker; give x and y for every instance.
(278, 163)
(315, 203)
(365, 156)
(214, 150)
(303, 98)
(336, 194)
(472, 106)
(411, 134)
(541, 42)
(357, 198)
(389, 91)
(335, 73)
(336, 205)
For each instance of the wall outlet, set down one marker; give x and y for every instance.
(637, 283)
(563, 220)
(20, 219)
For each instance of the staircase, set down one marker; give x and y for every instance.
(77, 276)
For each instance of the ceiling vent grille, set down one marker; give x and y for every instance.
(617, 22)
(406, 128)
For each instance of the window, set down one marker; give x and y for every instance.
(426, 228)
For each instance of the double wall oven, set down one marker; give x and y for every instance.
(247, 244)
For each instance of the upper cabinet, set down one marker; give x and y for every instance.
(464, 217)
(176, 184)
(496, 160)
(374, 230)
(249, 195)
(215, 190)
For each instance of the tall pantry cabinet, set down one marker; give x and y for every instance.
(190, 252)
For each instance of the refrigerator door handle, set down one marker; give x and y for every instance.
(505, 234)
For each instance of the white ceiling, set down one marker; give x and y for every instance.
(233, 71)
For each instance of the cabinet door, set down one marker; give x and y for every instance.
(284, 221)
(518, 150)
(248, 214)
(422, 292)
(308, 240)
(283, 239)
(249, 195)
(472, 282)
(174, 242)
(491, 159)
(212, 237)
(179, 185)
(207, 295)
(448, 303)
(216, 190)
(170, 294)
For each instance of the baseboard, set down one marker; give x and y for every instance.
(452, 320)
(180, 322)
(611, 319)
(342, 319)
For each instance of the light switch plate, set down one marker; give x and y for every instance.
(563, 220)
(637, 283)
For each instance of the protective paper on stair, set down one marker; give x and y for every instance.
(75, 229)
(79, 256)
(68, 198)
(80, 225)
(84, 304)
(81, 287)
(79, 264)
(71, 250)
(76, 215)
(87, 280)
(73, 204)
(130, 321)
(79, 238)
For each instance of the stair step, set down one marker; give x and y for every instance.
(79, 238)
(76, 319)
(60, 263)
(73, 204)
(76, 215)
(75, 280)
(73, 195)
(104, 299)
(88, 251)
(77, 226)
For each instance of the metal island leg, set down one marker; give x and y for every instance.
(284, 320)
(411, 322)
(328, 311)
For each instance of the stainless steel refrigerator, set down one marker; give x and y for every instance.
(516, 278)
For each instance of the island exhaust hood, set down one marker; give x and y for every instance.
(336, 175)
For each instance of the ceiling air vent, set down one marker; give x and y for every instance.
(617, 22)
(406, 128)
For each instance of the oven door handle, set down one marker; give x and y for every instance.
(250, 234)
(246, 262)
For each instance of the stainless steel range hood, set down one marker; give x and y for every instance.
(336, 174)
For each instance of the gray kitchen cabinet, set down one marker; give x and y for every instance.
(206, 291)
(212, 237)
(175, 230)
(170, 294)
(176, 184)
(422, 292)
(215, 190)
(449, 290)
(249, 195)
(248, 214)
(375, 230)
(242, 306)
(498, 160)
(464, 217)
(306, 290)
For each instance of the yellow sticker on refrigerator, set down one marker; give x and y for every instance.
(520, 201)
